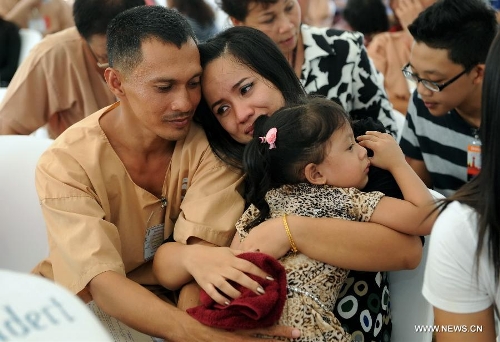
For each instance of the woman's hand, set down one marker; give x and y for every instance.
(268, 237)
(407, 11)
(213, 268)
(386, 152)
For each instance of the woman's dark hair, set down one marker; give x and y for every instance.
(303, 132)
(258, 52)
(198, 10)
(482, 192)
(464, 28)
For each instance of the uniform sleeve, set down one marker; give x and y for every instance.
(30, 98)
(450, 278)
(212, 204)
(409, 141)
(369, 96)
(82, 244)
(363, 203)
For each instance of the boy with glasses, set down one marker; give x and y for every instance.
(452, 39)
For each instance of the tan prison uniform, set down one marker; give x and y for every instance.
(59, 83)
(55, 14)
(99, 220)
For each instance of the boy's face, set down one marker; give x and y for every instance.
(434, 65)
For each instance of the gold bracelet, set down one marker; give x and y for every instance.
(289, 234)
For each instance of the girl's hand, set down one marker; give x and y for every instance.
(213, 268)
(386, 152)
(268, 237)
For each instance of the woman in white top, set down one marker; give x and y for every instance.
(462, 272)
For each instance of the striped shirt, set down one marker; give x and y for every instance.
(440, 141)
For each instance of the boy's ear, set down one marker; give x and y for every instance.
(479, 69)
(236, 22)
(313, 174)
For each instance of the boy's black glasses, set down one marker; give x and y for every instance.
(433, 86)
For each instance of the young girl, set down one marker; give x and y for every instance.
(304, 160)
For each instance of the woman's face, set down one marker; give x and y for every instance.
(279, 21)
(237, 96)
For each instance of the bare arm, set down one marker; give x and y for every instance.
(333, 241)
(411, 215)
(421, 170)
(147, 313)
(473, 322)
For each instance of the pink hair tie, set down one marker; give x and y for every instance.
(270, 138)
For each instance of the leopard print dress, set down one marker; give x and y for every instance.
(313, 286)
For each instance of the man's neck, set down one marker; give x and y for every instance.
(470, 109)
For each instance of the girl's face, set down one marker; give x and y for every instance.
(237, 96)
(346, 162)
(279, 21)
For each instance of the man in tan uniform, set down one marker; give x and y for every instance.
(116, 184)
(46, 16)
(60, 82)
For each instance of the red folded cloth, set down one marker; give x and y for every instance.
(250, 310)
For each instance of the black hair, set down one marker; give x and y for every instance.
(482, 192)
(129, 29)
(366, 16)
(465, 28)
(303, 133)
(247, 46)
(198, 10)
(238, 9)
(93, 16)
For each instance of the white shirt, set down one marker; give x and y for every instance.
(452, 281)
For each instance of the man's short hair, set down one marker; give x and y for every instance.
(129, 29)
(465, 28)
(93, 16)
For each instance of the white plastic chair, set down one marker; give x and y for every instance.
(35, 309)
(408, 306)
(29, 38)
(23, 237)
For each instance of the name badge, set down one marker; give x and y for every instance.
(153, 240)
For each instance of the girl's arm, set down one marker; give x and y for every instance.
(410, 216)
(361, 246)
(469, 327)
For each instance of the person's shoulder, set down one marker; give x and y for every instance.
(65, 42)
(331, 32)
(457, 218)
(81, 133)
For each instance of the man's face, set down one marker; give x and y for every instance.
(434, 65)
(163, 90)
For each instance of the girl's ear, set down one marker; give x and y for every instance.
(314, 175)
